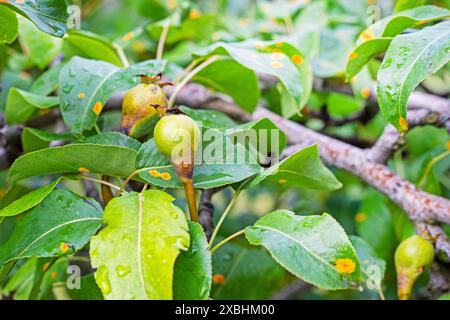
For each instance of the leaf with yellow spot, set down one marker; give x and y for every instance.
(376, 39)
(63, 218)
(98, 80)
(273, 58)
(410, 59)
(294, 243)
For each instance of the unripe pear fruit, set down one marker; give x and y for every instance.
(412, 256)
(177, 137)
(138, 107)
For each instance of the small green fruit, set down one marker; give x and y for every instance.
(412, 256)
(177, 137)
(138, 107)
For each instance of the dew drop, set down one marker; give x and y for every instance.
(122, 271)
(102, 277)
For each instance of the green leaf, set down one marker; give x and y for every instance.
(41, 47)
(299, 245)
(193, 270)
(48, 81)
(36, 139)
(377, 38)
(90, 45)
(341, 105)
(229, 77)
(29, 200)
(280, 59)
(88, 289)
(308, 26)
(114, 138)
(48, 15)
(141, 266)
(374, 224)
(86, 85)
(75, 158)
(9, 26)
(22, 106)
(445, 297)
(301, 170)
(335, 47)
(364, 53)
(35, 270)
(62, 223)
(216, 163)
(262, 137)
(249, 273)
(402, 5)
(209, 118)
(199, 29)
(410, 59)
(396, 24)
(373, 267)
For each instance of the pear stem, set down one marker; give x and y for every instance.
(191, 199)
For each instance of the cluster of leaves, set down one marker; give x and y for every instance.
(141, 245)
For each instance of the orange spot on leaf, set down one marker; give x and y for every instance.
(98, 106)
(403, 124)
(154, 173)
(218, 279)
(360, 217)
(365, 93)
(83, 169)
(367, 35)
(64, 247)
(81, 95)
(346, 266)
(45, 267)
(166, 176)
(194, 14)
(297, 59)
(282, 181)
(128, 36)
(54, 275)
(353, 55)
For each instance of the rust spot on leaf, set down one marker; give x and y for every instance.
(194, 14)
(297, 59)
(403, 124)
(81, 95)
(166, 176)
(154, 173)
(360, 217)
(128, 36)
(45, 267)
(64, 247)
(346, 265)
(219, 279)
(365, 93)
(98, 106)
(353, 55)
(84, 170)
